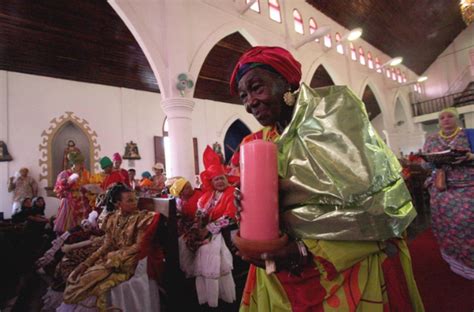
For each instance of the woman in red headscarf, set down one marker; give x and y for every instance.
(344, 215)
(204, 254)
(117, 160)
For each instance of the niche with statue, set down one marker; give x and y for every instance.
(67, 133)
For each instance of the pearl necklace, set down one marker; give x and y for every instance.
(452, 135)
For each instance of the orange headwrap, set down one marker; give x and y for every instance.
(277, 58)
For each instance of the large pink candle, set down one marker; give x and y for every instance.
(259, 185)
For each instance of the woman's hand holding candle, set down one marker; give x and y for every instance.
(285, 258)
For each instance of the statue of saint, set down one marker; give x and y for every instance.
(218, 149)
(70, 148)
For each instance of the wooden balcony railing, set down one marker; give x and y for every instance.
(435, 105)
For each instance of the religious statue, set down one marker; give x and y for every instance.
(70, 148)
(218, 149)
(131, 151)
(4, 155)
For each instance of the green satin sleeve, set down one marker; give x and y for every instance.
(339, 180)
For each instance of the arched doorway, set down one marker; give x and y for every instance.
(321, 78)
(234, 135)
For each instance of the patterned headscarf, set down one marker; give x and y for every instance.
(274, 59)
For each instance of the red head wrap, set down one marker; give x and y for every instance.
(116, 157)
(213, 166)
(277, 58)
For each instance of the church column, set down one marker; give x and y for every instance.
(5, 198)
(179, 115)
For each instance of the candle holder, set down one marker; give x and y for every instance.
(254, 248)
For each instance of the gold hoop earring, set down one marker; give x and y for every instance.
(289, 98)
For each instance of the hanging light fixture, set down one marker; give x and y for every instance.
(467, 11)
(354, 34)
(393, 62)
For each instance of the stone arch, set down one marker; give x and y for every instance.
(380, 98)
(368, 83)
(374, 109)
(321, 78)
(337, 80)
(137, 28)
(213, 38)
(213, 78)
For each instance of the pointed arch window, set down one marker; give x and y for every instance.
(255, 7)
(353, 52)
(377, 65)
(299, 27)
(387, 72)
(415, 87)
(328, 41)
(399, 76)
(274, 10)
(394, 74)
(404, 78)
(339, 46)
(312, 27)
(361, 56)
(370, 61)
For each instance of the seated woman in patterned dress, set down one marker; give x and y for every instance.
(115, 261)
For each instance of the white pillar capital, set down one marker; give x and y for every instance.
(178, 107)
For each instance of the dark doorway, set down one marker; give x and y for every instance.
(234, 135)
(371, 104)
(321, 78)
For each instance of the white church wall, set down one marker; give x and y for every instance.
(28, 103)
(117, 116)
(450, 65)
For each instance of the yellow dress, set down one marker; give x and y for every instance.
(342, 194)
(114, 262)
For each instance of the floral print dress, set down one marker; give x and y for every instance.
(452, 210)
